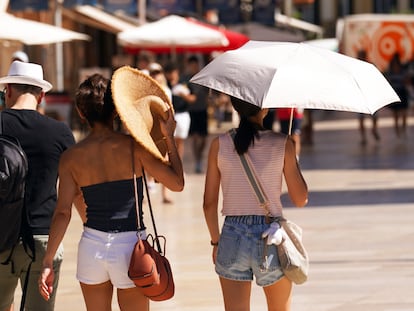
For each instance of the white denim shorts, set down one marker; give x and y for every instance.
(104, 256)
(182, 127)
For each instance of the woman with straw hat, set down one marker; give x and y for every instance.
(103, 167)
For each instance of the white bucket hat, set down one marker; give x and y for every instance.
(26, 73)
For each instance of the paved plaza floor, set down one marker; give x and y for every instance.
(358, 227)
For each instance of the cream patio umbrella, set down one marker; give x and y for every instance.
(28, 32)
(172, 32)
(34, 33)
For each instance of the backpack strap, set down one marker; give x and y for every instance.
(1, 123)
(24, 289)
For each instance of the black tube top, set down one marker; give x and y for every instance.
(111, 205)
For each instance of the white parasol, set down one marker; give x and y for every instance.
(297, 75)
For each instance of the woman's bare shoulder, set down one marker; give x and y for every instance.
(215, 143)
(95, 160)
(91, 146)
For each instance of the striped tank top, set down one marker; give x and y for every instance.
(267, 157)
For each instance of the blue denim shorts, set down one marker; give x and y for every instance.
(240, 251)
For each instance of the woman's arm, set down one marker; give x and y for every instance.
(169, 174)
(80, 205)
(211, 195)
(67, 192)
(297, 188)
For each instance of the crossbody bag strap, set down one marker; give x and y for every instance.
(139, 215)
(134, 176)
(156, 239)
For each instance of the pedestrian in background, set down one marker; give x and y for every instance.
(103, 166)
(144, 60)
(223, 110)
(181, 99)
(238, 248)
(198, 114)
(269, 120)
(43, 139)
(284, 115)
(398, 78)
(23, 57)
(362, 55)
(156, 72)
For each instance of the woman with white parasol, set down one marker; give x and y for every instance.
(238, 246)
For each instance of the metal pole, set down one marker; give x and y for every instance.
(59, 48)
(199, 8)
(142, 11)
(288, 7)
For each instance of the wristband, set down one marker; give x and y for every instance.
(214, 243)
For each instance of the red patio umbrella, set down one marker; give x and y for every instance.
(235, 40)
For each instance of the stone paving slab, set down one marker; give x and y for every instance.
(358, 229)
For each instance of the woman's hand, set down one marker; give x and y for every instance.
(215, 248)
(167, 126)
(46, 282)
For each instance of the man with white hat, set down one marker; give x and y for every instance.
(43, 139)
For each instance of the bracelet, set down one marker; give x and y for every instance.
(214, 243)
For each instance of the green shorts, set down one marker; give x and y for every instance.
(17, 269)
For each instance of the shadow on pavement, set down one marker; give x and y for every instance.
(341, 149)
(355, 197)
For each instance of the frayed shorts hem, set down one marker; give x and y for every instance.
(261, 284)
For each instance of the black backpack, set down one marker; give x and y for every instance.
(13, 172)
(13, 215)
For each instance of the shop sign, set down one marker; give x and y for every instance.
(127, 6)
(72, 3)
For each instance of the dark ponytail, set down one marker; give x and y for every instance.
(247, 130)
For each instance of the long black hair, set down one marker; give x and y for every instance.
(247, 131)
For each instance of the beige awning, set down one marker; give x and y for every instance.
(259, 32)
(299, 24)
(94, 17)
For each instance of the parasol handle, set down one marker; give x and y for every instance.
(291, 121)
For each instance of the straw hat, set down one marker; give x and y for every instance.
(139, 100)
(26, 73)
